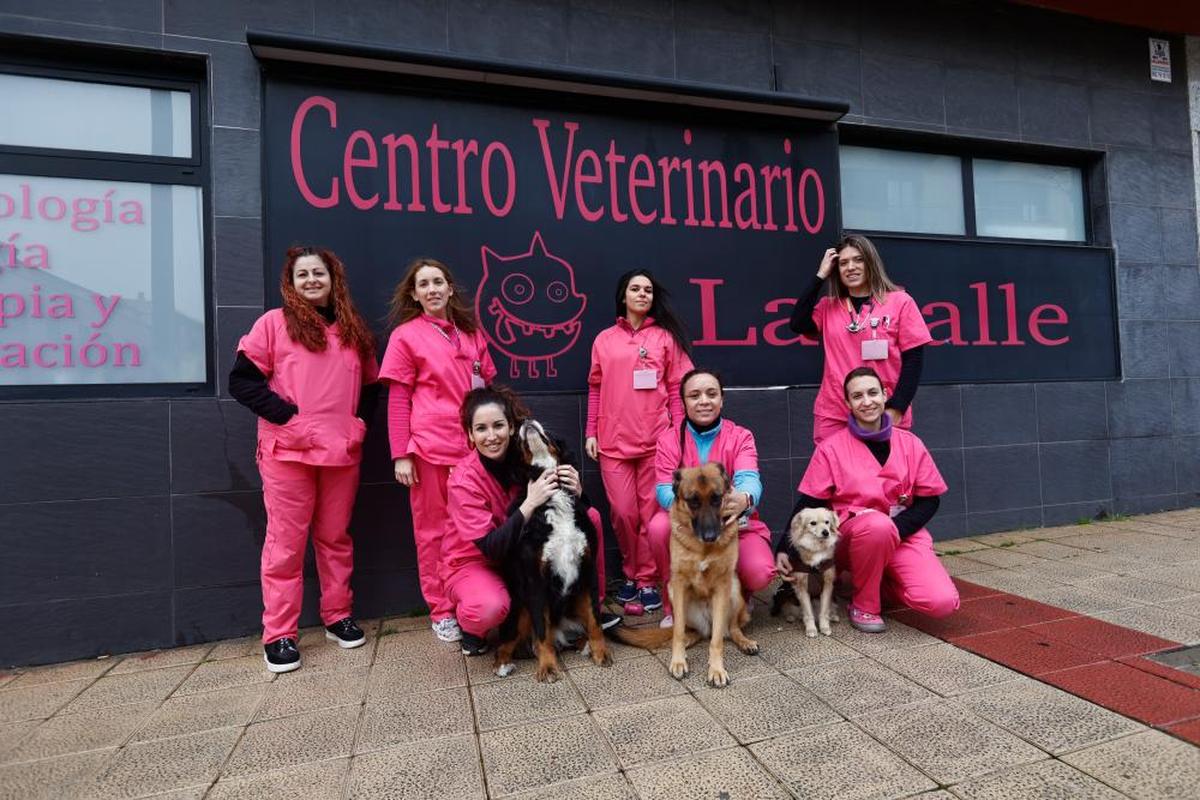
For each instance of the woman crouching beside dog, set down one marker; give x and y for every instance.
(703, 437)
(307, 370)
(884, 487)
(479, 529)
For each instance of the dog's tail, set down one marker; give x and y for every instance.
(649, 638)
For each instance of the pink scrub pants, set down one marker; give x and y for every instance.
(481, 598)
(871, 549)
(299, 497)
(629, 484)
(755, 567)
(427, 497)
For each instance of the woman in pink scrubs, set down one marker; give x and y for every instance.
(864, 320)
(706, 436)
(883, 485)
(480, 530)
(633, 396)
(302, 370)
(435, 355)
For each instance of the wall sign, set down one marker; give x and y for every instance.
(540, 201)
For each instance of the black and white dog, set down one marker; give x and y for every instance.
(551, 571)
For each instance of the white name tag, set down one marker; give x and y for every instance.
(477, 382)
(645, 378)
(874, 349)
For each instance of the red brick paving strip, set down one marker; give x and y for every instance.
(1087, 657)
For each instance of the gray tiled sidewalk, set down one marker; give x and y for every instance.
(852, 716)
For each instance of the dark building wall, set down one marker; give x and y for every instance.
(137, 523)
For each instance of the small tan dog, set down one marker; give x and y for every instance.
(813, 535)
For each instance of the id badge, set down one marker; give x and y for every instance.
(477, 382)
(645, 379)
(874, 349)
(896, 510)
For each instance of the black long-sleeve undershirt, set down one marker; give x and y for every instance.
(909, 521)
(911, 361)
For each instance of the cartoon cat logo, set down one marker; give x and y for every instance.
(528, 307)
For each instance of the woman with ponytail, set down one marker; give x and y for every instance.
(705, 436)
(307, 370)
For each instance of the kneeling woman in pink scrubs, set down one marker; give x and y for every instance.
(302, 370)
(479, 529)
(706, 436)
(865, 320)
(884, 487)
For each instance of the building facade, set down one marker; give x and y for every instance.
(131, 513)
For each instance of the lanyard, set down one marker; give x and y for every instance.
(456, 341)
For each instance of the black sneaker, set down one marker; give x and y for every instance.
(609, 620)
(473, 645)
(345, 633)
(281, 655)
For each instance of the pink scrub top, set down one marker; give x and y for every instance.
(900, 324)
(436, 364)
(476, 503)
(733, 448)
(627, 421)
(844, 471)
(325, 387)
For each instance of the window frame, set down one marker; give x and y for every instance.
(25, 56)
(967, 149)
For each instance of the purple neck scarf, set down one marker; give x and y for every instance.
(884, 433)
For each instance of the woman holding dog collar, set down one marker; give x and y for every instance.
(480, 529)
(307, 370)
(633, 396)
(865, 320)
(704, 436)
(435, 355)
(883, 485)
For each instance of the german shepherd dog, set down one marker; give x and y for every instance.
(551, 573)
(704, 587)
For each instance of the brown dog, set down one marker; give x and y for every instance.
(704, 587)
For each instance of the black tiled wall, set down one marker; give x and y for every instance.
(136, 524)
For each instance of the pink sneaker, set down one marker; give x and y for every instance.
(634, 609)
(866, 621)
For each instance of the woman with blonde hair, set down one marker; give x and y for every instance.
(435, 355)
(864, 320)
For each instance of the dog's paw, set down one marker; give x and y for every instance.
(601, 657)
(826, 630)
(678, 668)
(791, 618)
(750, 648)
(717, 677)
(504, 670)
(548, 674)
(833, 615)
(810, 631)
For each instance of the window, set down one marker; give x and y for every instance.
(1028, 201)
(895, 190)
(102, 209)
(914, 192)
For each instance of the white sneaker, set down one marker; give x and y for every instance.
(667, 621)
(447, 630)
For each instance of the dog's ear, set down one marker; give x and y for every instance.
(676, 477)
(833, 520)
(724, 475)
